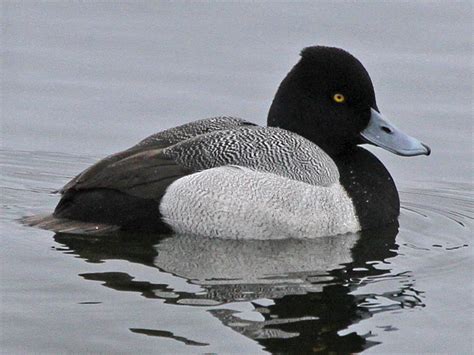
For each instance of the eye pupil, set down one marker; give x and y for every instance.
(339, 98)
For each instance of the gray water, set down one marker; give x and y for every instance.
(83, 80)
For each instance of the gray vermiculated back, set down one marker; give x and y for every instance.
(189, 130)
(158, 140)
(266, 149)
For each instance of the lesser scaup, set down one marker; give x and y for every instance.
(302, 176)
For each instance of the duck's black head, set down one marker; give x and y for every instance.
(328, 98)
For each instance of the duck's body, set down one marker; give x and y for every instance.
(225, 177)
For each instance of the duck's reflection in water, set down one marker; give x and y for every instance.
(301, 290)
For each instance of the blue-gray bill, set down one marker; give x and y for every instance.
(385, 135)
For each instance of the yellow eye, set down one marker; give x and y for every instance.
(339, 98)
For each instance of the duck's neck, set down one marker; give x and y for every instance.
(370, 187)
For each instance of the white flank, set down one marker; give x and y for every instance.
(239, 203)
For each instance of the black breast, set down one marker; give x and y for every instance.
(370, 187)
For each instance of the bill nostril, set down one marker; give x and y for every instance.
(387, 129)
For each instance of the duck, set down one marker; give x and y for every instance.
(304, 175)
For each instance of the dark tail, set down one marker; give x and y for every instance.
(64, 225)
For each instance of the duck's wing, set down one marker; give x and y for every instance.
(159, 140)
(265, 149)
(184, 132)
(143, 173)
(146, 172)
